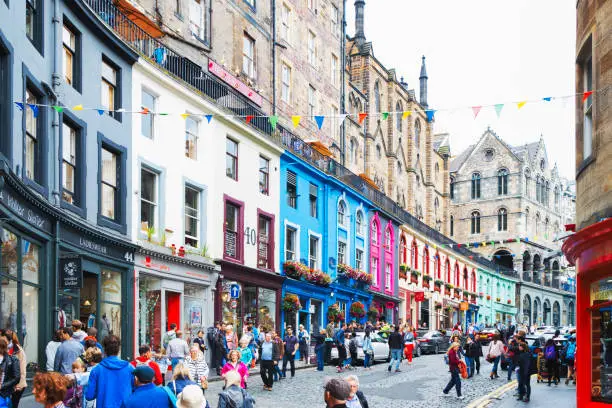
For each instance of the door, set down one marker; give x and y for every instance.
(316, 308)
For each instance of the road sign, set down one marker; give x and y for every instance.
(235, 291)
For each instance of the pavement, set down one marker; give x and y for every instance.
(559, 396)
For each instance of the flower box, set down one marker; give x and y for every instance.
(302, 272)
(437, 288)
(414, 279)
(427, 278)
(447, 291)
(425, 284)
(291, 303)
(403, 274)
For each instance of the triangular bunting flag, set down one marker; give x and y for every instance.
(547, 99)
(145, 111)
(78, 108)
(101, 112)
(184, 115)
(58, 109)
(249, 118)
(451, 246)
(208, 118)
(430, 114)
(120, 110)
(319, 120)
(493, 243)
(296, 120)
(519, 105)
(476, 110)
(385, 115)
(273, 121)
(362, 116)
(498, 109)
(19, 105)
(341, 118)
(586, 95)
(34, 109)
(406, 114)
(484, 244)
(518, 240)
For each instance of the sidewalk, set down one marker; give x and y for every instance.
(560, 396)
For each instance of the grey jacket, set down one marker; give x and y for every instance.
(66, 354)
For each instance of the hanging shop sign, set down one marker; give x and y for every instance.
(71, 273)
(390, 305)
(464, 306)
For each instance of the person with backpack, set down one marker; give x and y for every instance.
(570, 355)
(552, 361)
(408, 343)
(353, 349)
(233, 396)
(453, 366)
(146, 358)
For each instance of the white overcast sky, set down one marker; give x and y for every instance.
(482, 52)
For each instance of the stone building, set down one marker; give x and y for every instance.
(507, 204)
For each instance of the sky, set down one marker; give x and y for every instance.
(485, 52)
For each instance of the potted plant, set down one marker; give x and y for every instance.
(291, 303)
(364, 279)
(294, 269)
(332, 312)
(403, 271)
(357, 310)
(438, 285)
(448, 287)
(488, 297)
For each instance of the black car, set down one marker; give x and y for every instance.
(433, 341)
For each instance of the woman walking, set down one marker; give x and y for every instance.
(15, 350)
(304, 342)
(496, 349)
(235, 364)
(197, 366)
(368, 350)
(408, 343)
(453, 365)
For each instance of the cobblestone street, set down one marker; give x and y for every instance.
(418, 385)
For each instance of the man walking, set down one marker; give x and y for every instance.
(291, 347)
(178, 349)
(269, 354)
(395, 344)
(146, 394)
(67, 353)
(111, 381)
(339, 340)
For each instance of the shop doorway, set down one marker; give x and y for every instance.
(173, 308)
(316, 309)
(89, 299)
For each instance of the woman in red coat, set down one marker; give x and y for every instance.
(453, 365)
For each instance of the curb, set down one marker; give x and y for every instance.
(495, 394)
(256, 371)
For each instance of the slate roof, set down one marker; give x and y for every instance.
(460, 159)
(531, 148)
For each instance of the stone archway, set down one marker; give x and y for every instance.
(504, 258)
(527, 266)
(537, 308)
(546, 313)
(537, 266)
(571, 312)
(556, 314)
(527, 310)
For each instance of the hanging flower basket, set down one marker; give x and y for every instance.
(358, 310)
(373, 313)
(348, 271)
(427, 278)
(291, 303)
(334, 313)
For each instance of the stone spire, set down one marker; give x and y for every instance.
(359, 33)
(423, 81)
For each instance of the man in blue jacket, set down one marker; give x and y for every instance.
(146, 393)
(111, 381)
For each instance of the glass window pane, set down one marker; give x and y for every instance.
(9, 253)
(30, 261)
(29, 323)
(110, 322)
(109, 73)
(149, 303)
(194, 298)
(108, 201)
(267, 308)
(109, 167)
(8, 303)
(111, 286)
(148, 185)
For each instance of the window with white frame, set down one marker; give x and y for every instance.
(264, 175)
(148, 200)
(342, 213)
(191, 137)
(374, 270)
(388, 239)
(359, 225)
(198, 19)
(312, 48)
(192, 216)
(231, 159)
(311, 101)
(285, 83)
(248, 56)
(341, 252)
(285, 21)
(147, 119)
(69, 42)
(70, 165)
(334, 70)
(32, 128)
(290, 244)
(313, 252)
(335, 17)
(110, 94)
(110, 184)
(359, 259)
(387, 276)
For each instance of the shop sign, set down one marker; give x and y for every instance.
(234, 82)
(96, 246)
(390, 305)
(234, 304)
(464, 306)
(71, 273)
(24, 210)
(419, 296)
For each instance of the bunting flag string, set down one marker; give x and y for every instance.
(319, 119)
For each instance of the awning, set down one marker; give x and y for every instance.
(368, 180)
(321, 148)
(139, 18)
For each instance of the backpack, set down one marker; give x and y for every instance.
(550, 353)
(571, 351)
(142, 363)
(353, 346)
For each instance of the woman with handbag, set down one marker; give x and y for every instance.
(368, 350)
(496, 349)
(453, 366)
(408, 343)
(197, 366)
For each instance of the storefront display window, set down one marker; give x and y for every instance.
(601, 321)
(110, 303)
(267, 308)
(150, 327)
(255, 305)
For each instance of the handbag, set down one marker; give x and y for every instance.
(462, 369)
(490, 358)
(204, 383)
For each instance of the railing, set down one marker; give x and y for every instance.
(193, 76)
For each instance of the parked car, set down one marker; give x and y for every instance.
(380, 346)
(535, 343)
(542, 329)
(433, 342)
(486, 335)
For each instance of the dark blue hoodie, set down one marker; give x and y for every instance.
(110, 382)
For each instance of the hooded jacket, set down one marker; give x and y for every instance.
(110, 382)
(233, 396)
(147, 396)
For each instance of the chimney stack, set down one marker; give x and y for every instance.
(423, 81)
(359, 33)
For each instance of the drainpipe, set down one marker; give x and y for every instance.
(343, 85)
(273, 11)
(55, 83)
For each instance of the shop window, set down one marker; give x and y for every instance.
(149, 197)
(266, 313)
(291, 189)
(192, 216)
(290, 244)
(314, 200)
(601, 341)
(265, 242)
(194, 308)
(264, 175)
(232, 245)
(111, 90)
(71, 42)
(19, 292)
(231, 159)
(192, 131)
(110, 303)
(150, 311)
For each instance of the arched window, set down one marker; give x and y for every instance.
(452, 225)
(342, 213)
(437, 266)
(537, 224)
(359, 222)
(399, 169)
(457, 276)
(417, 134)
(474, 280)
(502, 182)
(377, 97)
(374, 233)
(466, 283)
(452, 188)
(557, 198)
(414, 255)
(437, 172)
(527, 181)
(475, 185)
(398, 116)
(425, 261)
(502, 219)
(403, 250)
(547, 194)
(475, 222)
(388, 239)
(447, 272)
(538, 190)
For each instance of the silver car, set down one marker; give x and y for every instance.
(380, 346)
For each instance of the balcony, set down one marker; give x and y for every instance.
(527, 276)
(209, 87)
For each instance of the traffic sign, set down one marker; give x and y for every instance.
(235, 291)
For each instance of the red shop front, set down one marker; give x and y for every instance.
(590, 249)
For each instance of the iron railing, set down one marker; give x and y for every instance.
(202, 82)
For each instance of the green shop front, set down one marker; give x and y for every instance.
(43, 247)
